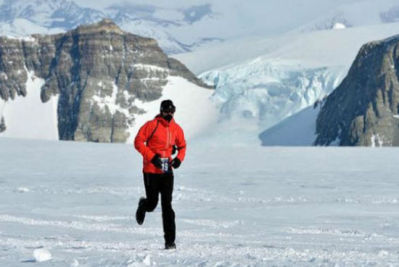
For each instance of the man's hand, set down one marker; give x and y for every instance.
(156, 160)
(176, 163)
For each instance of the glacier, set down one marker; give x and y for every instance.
(270, 90)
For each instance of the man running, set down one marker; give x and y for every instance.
(156, 141)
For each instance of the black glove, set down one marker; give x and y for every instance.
(176, 163)
(156, 160)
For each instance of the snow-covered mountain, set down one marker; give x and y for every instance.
(62, 14)
(94, 83)
(361, 111)
(262, 72)
(293, 72)
(22, 17)
(183, 26)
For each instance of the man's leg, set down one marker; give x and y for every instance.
(151, 183)
(168, 215)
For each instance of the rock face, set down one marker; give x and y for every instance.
(363, 110)
(98, 71)
(2, 125)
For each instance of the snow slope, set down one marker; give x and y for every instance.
(28, 117)
(296, 130)
(235, 206)
(312, 48)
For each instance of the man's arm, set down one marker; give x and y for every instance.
(140, 140)
(181, 144)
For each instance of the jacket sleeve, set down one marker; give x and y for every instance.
(181, 144)
(139, 142)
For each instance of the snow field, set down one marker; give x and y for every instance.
(235, 206)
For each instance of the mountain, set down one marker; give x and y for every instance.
(263, 73)
(292, 72)
(94, 83)
(62, 14)
(21, 17)
(363, 110)
(185, 26)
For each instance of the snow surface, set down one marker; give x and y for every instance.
(235, 206)
(28, 117)
(41, 255)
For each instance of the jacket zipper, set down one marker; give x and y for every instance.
(167, 138)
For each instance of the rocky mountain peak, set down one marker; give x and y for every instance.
(97, 72)
(363, 110)
(105, 26)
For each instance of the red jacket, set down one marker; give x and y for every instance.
(164, 136)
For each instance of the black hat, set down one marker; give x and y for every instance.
(167, 106)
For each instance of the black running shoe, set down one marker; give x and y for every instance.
(140, 213)
(170, 246)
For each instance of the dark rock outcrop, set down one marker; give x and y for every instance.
(93, 69)
(363, 110)
(2, 125)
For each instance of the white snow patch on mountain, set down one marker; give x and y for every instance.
(109, 101)
(29, 117)
(377, 140)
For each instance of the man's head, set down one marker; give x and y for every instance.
(167, 109)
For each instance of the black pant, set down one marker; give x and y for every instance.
(161, 183)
